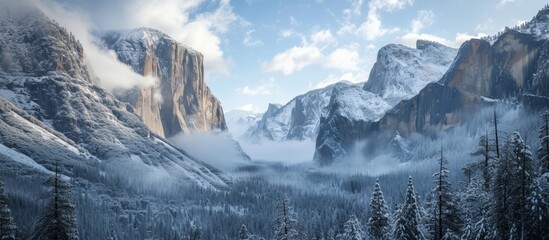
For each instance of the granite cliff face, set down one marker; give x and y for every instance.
(180, 101)
(399, 73)
(515, 65)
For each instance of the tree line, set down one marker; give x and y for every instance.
(507, 197)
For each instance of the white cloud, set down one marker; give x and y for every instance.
(354, 9)
(250, 41)
(103, 64)
(343, 59)
(503, 3)
(425, 18)
(322, 36)
(293, 59)
(265, 88)
(249, 108)
(372, 28)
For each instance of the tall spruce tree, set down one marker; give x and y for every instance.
(501, 190)
(58, 221)
(7, 226)
(543, 150)
(485, 165)
(538, 214)
(407, 223)
(524, 165)
(284, 222)
(378, 223)
(446, 215)
(512, 188)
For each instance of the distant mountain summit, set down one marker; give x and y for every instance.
(180, 101)
(401, 72)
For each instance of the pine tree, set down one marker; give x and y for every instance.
(284, 223)
(243, 234)
(352, 230)
(543, 151)
(496, 138)
(523, 162)
(378, 223)
(447, 215)
(407, 222)
(538, 214)
(485, 165)
(58, 221)
(501, 191)
(7, 225)
(512, 187)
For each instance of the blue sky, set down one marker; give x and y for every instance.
(265, 51)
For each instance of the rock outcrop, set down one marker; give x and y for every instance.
(180, 101)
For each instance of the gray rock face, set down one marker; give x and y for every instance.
(515, 65)
(78, 115)
(180, 101)
(399, 73)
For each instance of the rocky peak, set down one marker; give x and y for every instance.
(180, 101)
(400, 72)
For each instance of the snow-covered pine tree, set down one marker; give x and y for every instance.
(543, 150)
(352, 230)
(485, 165)
(524, 165)
(58, 221)
(243, 234)
(378, 223)
(538, 210)
(501, 191)
(284, 222)
(512, 184)
(447, 215)
(7, 225)
(407, 220)
(474, 202)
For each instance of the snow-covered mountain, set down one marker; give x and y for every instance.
(296, 120)
(180, 101)
(239, 121)
(54, 98)
(401, 72)
(515, 65)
